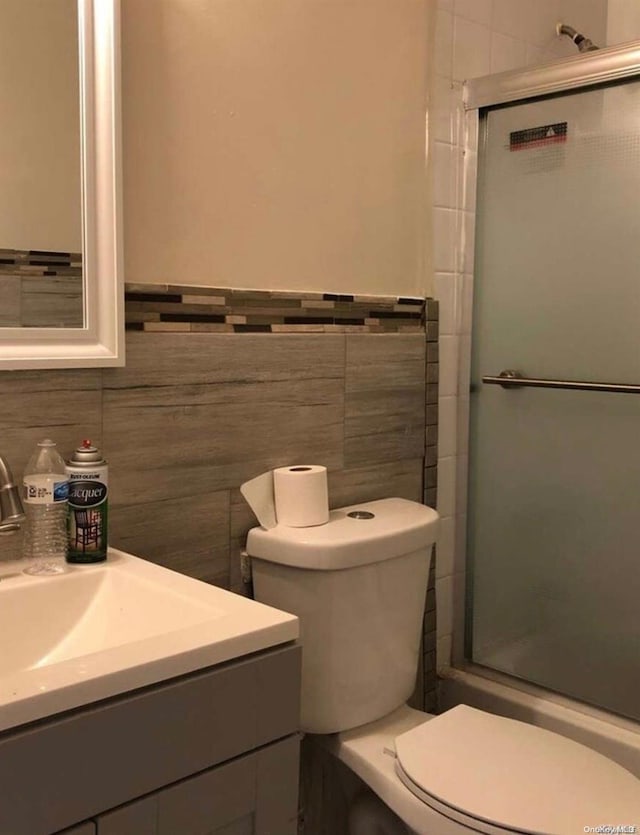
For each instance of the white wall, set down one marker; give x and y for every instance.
(276, 145)
(473, 38)
(39, 141)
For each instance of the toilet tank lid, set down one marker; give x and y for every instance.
(397, 527)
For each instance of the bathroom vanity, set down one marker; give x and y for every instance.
(207, 745)
(214, 752)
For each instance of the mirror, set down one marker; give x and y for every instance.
(61, 299)
(40, 193)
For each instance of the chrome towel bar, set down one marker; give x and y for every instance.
(510, 379)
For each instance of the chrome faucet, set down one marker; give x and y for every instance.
(11, 510)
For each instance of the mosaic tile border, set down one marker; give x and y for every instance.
(36, 263)
(196, 309)
(430, 498)
(431, 406)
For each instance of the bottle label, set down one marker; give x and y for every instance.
(46, 488)
(87, 493)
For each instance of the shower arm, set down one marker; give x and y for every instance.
(583, 43)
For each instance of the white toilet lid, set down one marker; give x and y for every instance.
(513, 775)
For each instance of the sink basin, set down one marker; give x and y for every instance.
(97, 631)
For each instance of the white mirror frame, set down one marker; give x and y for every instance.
(101, 341)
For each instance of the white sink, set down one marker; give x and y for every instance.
(97, 631)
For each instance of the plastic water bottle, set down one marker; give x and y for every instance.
(46, 490)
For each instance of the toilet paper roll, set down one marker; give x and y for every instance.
(301, 495)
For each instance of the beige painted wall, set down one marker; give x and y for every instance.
(623, 21)
(276, 144)
(39, 140)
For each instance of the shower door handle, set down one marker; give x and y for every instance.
(511, 379)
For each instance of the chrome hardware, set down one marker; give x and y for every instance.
(11, 510)
(510, 375)
(361, 514)
(511, 379)
(614, 63)
(7, 528)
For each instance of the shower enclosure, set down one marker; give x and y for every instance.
(554, 481)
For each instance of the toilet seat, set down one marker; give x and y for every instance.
(496, 775)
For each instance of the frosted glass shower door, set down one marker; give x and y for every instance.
(554, 513)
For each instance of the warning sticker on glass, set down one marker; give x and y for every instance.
(520, 140)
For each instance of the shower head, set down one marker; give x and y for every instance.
(583, 43)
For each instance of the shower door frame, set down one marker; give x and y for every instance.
(602, 67)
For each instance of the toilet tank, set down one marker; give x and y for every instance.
(358, 586)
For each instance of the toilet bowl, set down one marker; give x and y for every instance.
(358, 586)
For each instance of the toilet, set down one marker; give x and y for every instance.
(358, 586)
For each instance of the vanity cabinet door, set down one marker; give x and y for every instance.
(254, 795)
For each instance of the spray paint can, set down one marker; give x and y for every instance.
(88, 505)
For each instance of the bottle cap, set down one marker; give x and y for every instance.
(86, 453)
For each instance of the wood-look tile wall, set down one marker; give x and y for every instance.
(193, 415)
(40, 289)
